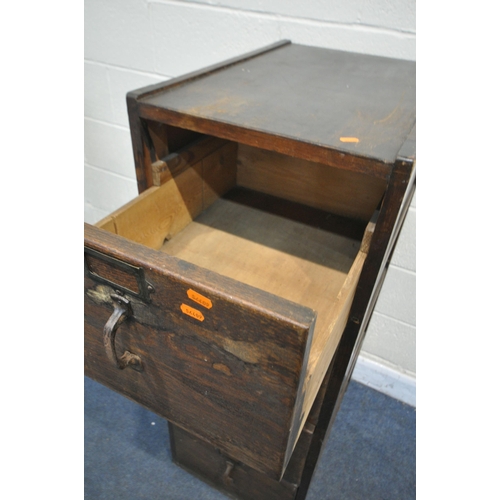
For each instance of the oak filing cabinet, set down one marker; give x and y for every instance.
(232, 295)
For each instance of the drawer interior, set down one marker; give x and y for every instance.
(249, 237)
(296, 229)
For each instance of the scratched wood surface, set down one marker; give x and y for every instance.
(347, 111)
(240, 237)
(351, 103)
(237, 479)
(230, 369)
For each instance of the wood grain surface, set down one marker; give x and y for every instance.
(233, 378)
(244, 317)
(354, 96)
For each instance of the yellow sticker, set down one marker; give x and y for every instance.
(194, 313)
(349, 139)
(200, 299)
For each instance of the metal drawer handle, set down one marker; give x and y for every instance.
(121, 311)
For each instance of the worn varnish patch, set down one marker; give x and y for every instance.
(246, 351)
(225, 105)
(100, 294)
(222, 368)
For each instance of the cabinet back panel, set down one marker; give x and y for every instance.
(341, 192)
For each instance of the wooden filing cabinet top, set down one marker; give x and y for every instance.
(342, 109)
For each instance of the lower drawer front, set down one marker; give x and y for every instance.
(237, 479)
(221, 359)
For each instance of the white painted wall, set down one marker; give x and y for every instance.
(133, 43)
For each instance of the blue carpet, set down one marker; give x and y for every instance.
(370, 454)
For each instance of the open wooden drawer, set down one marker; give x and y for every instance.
(217, 298)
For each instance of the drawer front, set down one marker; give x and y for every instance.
(233, 478)
(223, 360)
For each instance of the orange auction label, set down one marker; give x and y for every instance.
(349, 139)
(200, 299)
(191, 311)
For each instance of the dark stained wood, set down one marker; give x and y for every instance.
(168, 166)
(210, 464)
(201, 459)
(143, 143)
(354, 97)
(394, 208)
(156, 88)
(112, 273)
(142, 146)
(225, 362)
(218, 377)
(167, 139)
(235, 479)
(158, 134)
(264, 140)
(361, 105)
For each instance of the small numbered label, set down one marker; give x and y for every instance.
(199, 299)
(191, 311)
